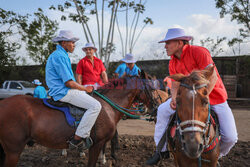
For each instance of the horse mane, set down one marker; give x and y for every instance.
(196, 77)
(112, 84)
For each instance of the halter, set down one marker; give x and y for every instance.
(194, 122)
(127, 111)
(149, 95)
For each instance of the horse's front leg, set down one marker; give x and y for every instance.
(94, 152)
(11, 159)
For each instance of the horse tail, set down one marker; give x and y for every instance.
(2, 156)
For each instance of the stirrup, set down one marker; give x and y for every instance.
(75, 144)
(82, 144)
(87, 143)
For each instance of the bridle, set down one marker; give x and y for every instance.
(149, 95)
(202, 127)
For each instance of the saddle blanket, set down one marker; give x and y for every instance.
(73, 114)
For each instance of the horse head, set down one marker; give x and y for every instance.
(192, 111)
(147, 93)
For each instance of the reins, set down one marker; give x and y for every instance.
(119, 108)
(126, 110)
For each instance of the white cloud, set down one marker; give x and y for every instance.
(204, 26)
(147, 47)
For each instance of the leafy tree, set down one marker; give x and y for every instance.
(86, 8)
(8, 24)
(213, 46)
(233, 42)
(239, 11)
(38, 35)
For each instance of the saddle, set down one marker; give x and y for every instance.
(73, 114)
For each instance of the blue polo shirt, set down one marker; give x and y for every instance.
(133, 72)
(40, 92)
(58, 71)
(121, 69)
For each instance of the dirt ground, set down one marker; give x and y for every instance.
(136, 145)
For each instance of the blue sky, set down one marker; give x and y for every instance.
(163, 12)
(199, 18)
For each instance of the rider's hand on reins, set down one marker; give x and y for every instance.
(173, 104)
(89, 89)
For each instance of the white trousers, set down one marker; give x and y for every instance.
(83, 100)
(228, 130)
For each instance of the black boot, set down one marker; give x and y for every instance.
(82, 144)
(157, 157)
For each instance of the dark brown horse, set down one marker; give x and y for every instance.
(196, 139)
(24, 119)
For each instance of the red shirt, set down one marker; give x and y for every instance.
(169, 82)
(198, 58)
(91, 74)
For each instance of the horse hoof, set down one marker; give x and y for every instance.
(64, 152)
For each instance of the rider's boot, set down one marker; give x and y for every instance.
(157, 157)
(83, 143)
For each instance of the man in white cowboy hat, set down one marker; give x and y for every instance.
(63, 87)
(90, 70)
(184, 59)
(132, 69)
(39, 91)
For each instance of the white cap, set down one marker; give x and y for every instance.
(65, 35)
(176, 34)
(129, 58)
(36, 82)
(89, 45)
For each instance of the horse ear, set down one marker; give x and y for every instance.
(150, 77)
(177, 77)
(142, 74)
(208, 72)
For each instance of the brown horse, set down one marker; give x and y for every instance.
(196, 139)
(24, 119)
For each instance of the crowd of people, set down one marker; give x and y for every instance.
(91, 74)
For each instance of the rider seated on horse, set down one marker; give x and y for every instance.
(132, 69)
(186, 58)
(63, 87)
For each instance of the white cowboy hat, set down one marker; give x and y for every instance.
(65, 35)
(89, 45)
(129, 58)
(36, 82)
(176, 34)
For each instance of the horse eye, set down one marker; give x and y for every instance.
(178, 100)
(204, 101)
(205, 92)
